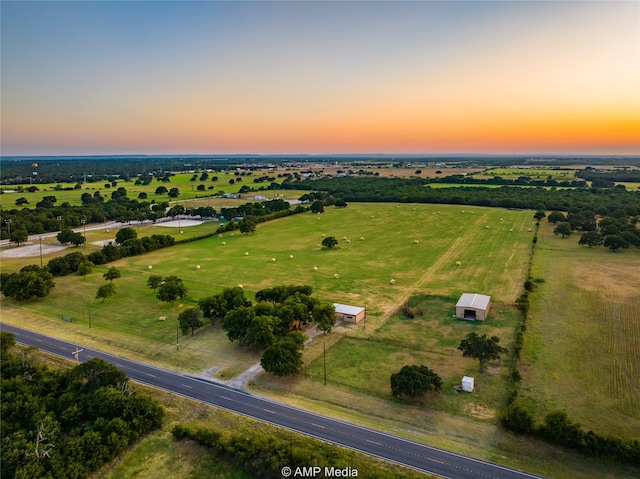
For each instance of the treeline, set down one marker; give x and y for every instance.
(608, 178)
(67, 423)
(48, 216)
(262, 453)
(417, 190)
(522, 180)
(63, 170)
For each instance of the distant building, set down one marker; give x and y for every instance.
(350, 314)
(473, 306)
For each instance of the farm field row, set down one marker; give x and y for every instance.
(582, 349)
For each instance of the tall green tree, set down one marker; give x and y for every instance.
(555, 217)
(19, 236)
(563, 229)
(237, 321)
(125, 234)
(247, 225)
(171, 289)
(325, 317)
(591, 238)
(413, 380)
(85, 268)
(329, 242)
(284, 357)
(260, 332)
(112, 273)
(190, 319)
(154, 282)
(615, 242)
(32, 282)
(106, 291)
(317, 206)
(481, 348)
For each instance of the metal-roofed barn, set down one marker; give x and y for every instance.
(473, 306)
(349, 314)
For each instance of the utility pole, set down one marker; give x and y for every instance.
(177, 329)
(89, 303)
(75, 353)
(325, 363)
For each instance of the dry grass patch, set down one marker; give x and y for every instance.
(582, 349)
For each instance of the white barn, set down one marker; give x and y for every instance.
(349, 314)
(473, 306)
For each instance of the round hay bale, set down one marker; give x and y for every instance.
(231, 234)
(414, 209)
(348, 241)
(246, 253)
(224, 243)
(273, 259)
(458, 263)
(529, 230)
(361, 238)
(315, 268)
(149, 267)
(318, 245)
(462, 211)
(501, 220)
(162, 318)
(372, 216)
(323, 235)
(318, 218)
(336, 275)
(486, 227)
(416, 241)
(511, 230)
(240, 286)
(219, 235)
(344, 238)
(392, 281)
(181, 231)
(197, 266)
(290, 256)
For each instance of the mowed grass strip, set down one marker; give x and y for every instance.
(416, 245)
(582, 349)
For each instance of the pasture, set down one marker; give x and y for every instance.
(582, 348)
(416, 245)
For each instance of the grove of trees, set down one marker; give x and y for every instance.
(67, 423)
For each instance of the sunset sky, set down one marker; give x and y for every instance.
(89, 78)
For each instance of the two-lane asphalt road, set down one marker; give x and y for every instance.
(418, 456)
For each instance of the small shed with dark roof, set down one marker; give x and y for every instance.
(473, 306)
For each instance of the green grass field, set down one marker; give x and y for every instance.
(493, 261)
(582, 348)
